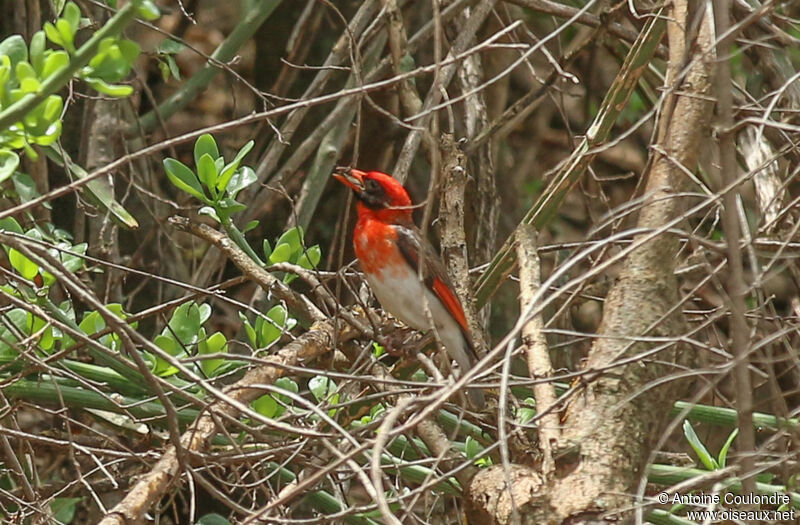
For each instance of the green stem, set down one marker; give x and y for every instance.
(46, 391)
(238, 237)
(100, 374)
(117, 363)
(17, 111)
(728, 416)
(320, 500)
(250, 23)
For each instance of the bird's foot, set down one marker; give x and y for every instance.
(401, 342)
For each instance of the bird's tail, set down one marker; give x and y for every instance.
(466, 359)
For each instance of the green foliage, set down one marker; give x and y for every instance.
(68, 254)
(473, 449)
(184, 336)
(275, 404)
(708, 461)
(63, 509)
(267, 328)
(527, 411)
(25, 69)
(213, 519)
(166, 52)
(214, 182)
(290, 248)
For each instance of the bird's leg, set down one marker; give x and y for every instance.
(401, 342)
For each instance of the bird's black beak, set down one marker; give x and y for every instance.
(350, 177)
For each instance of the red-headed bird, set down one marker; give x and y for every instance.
(388, 246)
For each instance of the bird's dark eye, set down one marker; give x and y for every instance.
(374, 196)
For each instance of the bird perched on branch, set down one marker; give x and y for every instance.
(391, 249)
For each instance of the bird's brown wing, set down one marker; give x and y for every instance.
(415, 248)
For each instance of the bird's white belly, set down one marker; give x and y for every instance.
(402, 294)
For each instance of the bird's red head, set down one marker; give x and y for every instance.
(379, 195)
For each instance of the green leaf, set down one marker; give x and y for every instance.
(37, 324)
(242, 178)
(72, 15)
(67, 34)
(164, 68)
(270, 329)
(228, 171)
(527, 411)
(29, 85)
(702, 452)
(205, 145)
(100, 190)
(52, 108)
(321, 387)
(112, 90)
(168, 344)
(211, 212)
(205, 312)
(25, 71)
(288, 384)
(294, 238)
(723, 453)
(9, 161)
(130, 52)
(265, 405)
(281, 253)
(173, 68)
(63, 509)
(10, 224)
(310, 258)
(229, 207)
(420, 376)
(147, 10)
(24, 266)
(207, 172)
(249, 226)
(161, 367)
(184, 178)
(14, 48)
(267, 249)
(278, 314)
(102, 193)
(185, 323)
(53, 62)
(53, 34)
(92, 323)
(472, 448)
(249, 330)
(169, 46)
(59, 7)
(16, 317)
(215, 343)
(38, 43)
(25, 187)
(73, 263)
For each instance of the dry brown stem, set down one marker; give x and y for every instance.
(538, 354)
